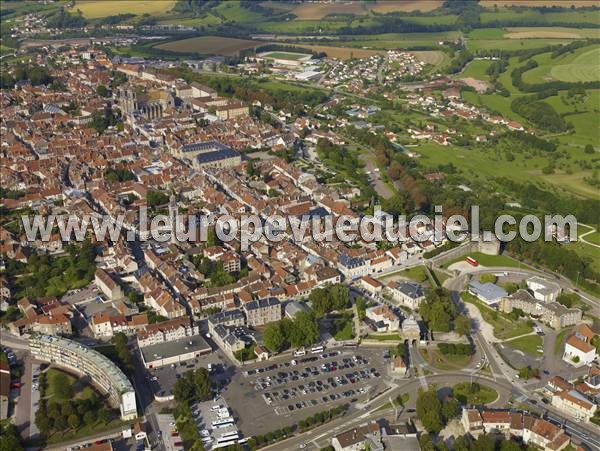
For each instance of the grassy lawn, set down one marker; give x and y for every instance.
(400, 400)
(593, 238)
(84, 431)
(417, 273)
(487, 260)
(560, 338)
(383, 337)
(448, 362)
(580, 65)
(80, 391)
(504, 327)
(586, 250)
(474, 394)
(286, 55)
(527, 344)
(476, 69)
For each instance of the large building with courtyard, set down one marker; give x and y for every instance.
(83, 361)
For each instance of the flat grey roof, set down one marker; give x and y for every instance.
(174, 348)
(489, 291)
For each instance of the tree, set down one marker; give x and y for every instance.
(9, 438)
(183, 390)
(304, 330)
(274, 337)
(462, 325)
(487, 278)
(429, 410)
(156, 198)
(89, 417)
(62, 386)
(449, 408)
(460, 444)
(426, 443)
(73, 421)
(202, 384)
(332, 297)
(509, 445)
(102, 91)
(103, 415)
(589, 148)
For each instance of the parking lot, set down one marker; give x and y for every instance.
(286, 388)
(169, 436)
(271, 395)
(216, 425)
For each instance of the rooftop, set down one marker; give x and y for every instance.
(120, 381)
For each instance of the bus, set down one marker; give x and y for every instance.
(223, 444)
(222, 423)
(471, 261)
(229, 434)
(317, 350)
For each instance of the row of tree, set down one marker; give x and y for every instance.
(303, 330)
(439, 311)
(329, 298)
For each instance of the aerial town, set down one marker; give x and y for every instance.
(119, 331)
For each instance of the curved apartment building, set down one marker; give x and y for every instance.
(80, 359)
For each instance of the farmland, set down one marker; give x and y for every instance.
(286, 55)
(210, 45)
(344, 52)
(564, 3)
(317, 11)
(581, 65)
(98, 9)
(551, 32)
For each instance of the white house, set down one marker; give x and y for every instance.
(543, 290)
(578, 352)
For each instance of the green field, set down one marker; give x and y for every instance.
(448, 362)
(286, 55)
(528, 345)
(512, 44)
(580, 65)
(97, 9)
(504, 327)
(80, 390)
(474, 394)
(416, 273)
(514, 15)
(210, 45)
(593, 238)
(476, 69)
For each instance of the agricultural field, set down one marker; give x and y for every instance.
(434, 57)
(580, 65)
(344, 52)
(103, 8)
(551, 32)
(234, 12)
(210, 45)
(317, 11)
(480, 166)
(564, 3)
(476, 69)
(549, 18)
(394, 41)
